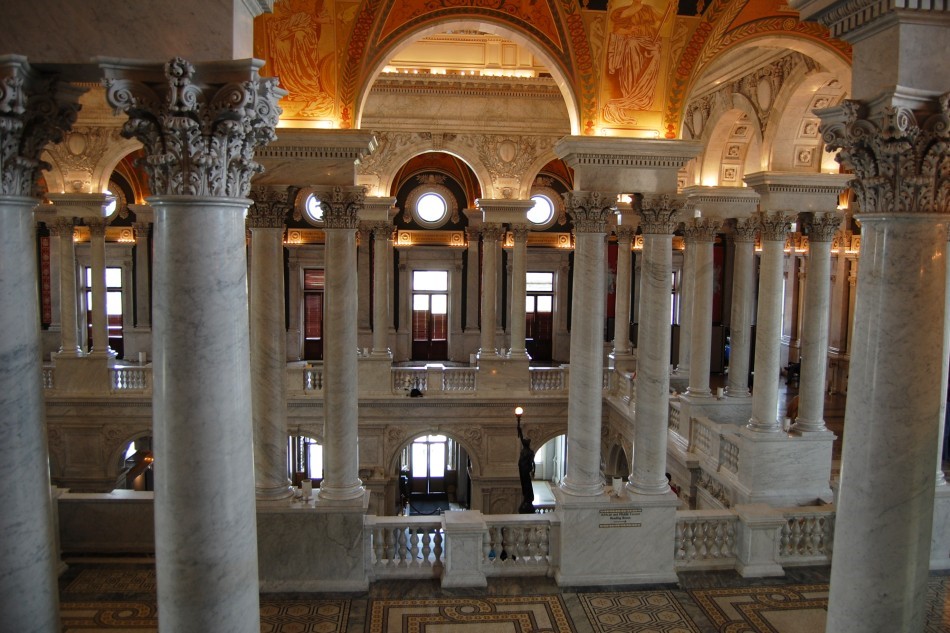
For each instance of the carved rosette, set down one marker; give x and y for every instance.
(270, 207)
(199, 138)
(658, 214)
(745, 229)
(35, 110)
(342, 206)
(901, 166)
(823, 227)
(589, 210)
(774, 226)
(702, 229)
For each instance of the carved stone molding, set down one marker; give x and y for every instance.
(745, 229)
(80, 154)
(200, 130)
(774, 226)
(625, 234)
(341, 206)
(519, 232)
(61, 227)
(589, 210)
(35, 110)
(270, 207)
(96, 226)
(901, 165)
(382, 231)
(843, 18)
(702, 229)
(492, 233)
(823, 227)
(658, 214)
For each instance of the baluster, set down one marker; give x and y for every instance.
(731, 539)
(437, 546)
(486, 546)
(797, 537)
(544, 545)
(426, 546)
(690, 539)
(678, 545)
(377, 546)
(717, 540)
(403, 547)
(784, 540)
(413, 547)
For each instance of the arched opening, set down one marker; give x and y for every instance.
(433, 471)
(549, 469)
(136, 461)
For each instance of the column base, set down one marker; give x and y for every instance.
(803, 427)
(698, 393)
(341, 493)
(738, 393)
(518, 354)
(763, 427)
(650, 490)
(622, 361)
(275, 493)
(586, 489)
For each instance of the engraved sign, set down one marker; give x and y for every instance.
(625, 518)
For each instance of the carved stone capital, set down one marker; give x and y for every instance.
(625, 234)
(745, 229)
(658, 214)
(774, 226)
(492, 232)
(270, 208)
(702, 229)
(97, 226)
(823, 227)
(382, 231)
(901, 165)
(589, 210)
(141, 230)
(35, 110)
(199, 126)
(61, 227)
(520, 232)
(341, 206)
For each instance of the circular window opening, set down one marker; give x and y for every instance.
(314, 208)
(431, 208)
(543, 210)
(112, 204)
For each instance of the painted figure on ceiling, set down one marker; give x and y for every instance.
(633, 58)
(293, 39)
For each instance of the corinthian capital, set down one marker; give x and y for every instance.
(589, 210)
(270, 207)
(702, 229)
(35, 109)
(774, 226)
(658, 214)
(341, 206)
(901, 165)
(199, 127)
(823, 227)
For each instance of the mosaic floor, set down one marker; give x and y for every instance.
(121, 598)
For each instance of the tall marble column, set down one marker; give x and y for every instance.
(205, 532)
(472, 305)
(268, 341)
(97, 251)
(814, 357)
(701, 234)
(687, 296)
(743, 294)
(35, 110)
(589, 212)
(768, 330)
(143, 297)
(341, 480)
(622, 297)
(363, 271)
(944, 375)
(382, 237)
(519, 273)
(658, 220)
(878, 581)
(69, 316)
(490, 259)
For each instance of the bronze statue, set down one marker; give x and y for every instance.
(525, 469)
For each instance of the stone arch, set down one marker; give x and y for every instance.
(392, 460)
(391, 164)
(112, 464)
(527, 179)
(617, 462)
(482, 23)
(726, 146)
(66, 176)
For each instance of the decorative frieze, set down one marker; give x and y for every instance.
(659, 214)
(901, 165)
(270, 207)
(199, 136)
(35, 110)
(589, 210)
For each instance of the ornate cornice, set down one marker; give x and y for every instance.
(270, 208)
(702, 229)
(658, 214)
(341, 206)
(774, 226)
(745, 229)
(35, 110)
(589, 210)
(845, 17)
(199, 137)
(901, 165)
(823, 227)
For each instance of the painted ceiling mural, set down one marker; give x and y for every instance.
(629, 63)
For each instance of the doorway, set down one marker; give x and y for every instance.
(430, 314)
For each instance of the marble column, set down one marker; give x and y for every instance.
(364, 272)
(491, 254)
(701, 235)
(878, 581)
(268, 341)
(622, 297)
(69, 317)
(658, 220)
(143, 297)
(768, 330)
(205, 508)
(589, 212)
(519, 273)
(97, 250)
(382, 237)
(472, 235)
(341, 398)
(740, 324)
(687, 292)
(35, 110)
(814, 356)
(944, 374)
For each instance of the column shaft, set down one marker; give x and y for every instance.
(622, 296)
(29, 597)
(768, 331)
(944, 374)
(471, 282)
(97, 251)
(703, 232)
(687, 293)
(381, 266)
(740, 330)
(67, 288)
(519, 256)
(204, 474)
(143, 309)
(490, 256)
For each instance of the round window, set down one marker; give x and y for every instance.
(542, 211)
(314, 208)
(431, 208)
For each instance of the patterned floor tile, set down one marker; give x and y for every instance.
(491, 614)
(636, 612)
(776, 609)
(111, 581)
